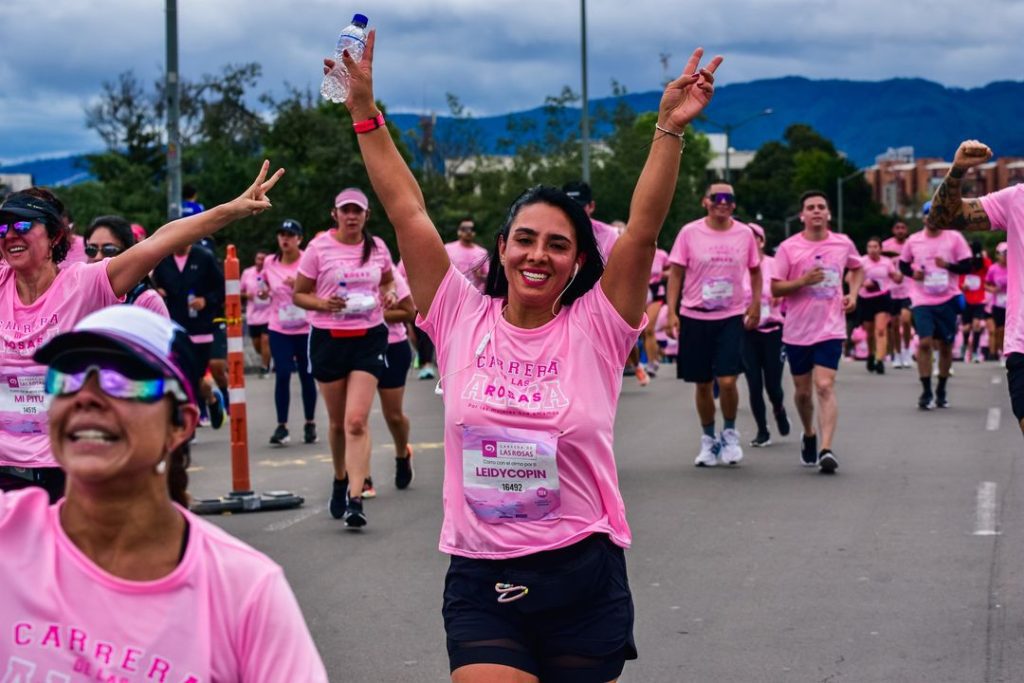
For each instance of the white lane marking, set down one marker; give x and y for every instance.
(996, 379)
(292, 521)
(985, 519)
(992, 423)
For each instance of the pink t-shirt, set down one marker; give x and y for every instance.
(606, 235)
(771, 308)
(658, 266)
(815, 313)
(899, 290)
(1000, 277)
(257, 310)
(529, 423)
(338, 270)
(471, 261)
(879, 272)
(78, 290)
(1005, 210)
(151, 300)
(225, 613)
(76, 252)
(716, 262)
(398, 332)
(939, 285)
(285, 316)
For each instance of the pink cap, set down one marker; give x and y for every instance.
(138, 232)
(758, 230)
(352, 195)
(1001, 247)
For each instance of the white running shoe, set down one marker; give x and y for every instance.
(731, 452)
(708, 452)
(908, 358)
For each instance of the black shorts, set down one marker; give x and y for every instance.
(899, 305)
(973, 312)
(333, 358)
(1015, 381)
(219, 348)
(658, 292)
(999, 316)
(869, 307)
(826, 354)
(709, 348)
(575, 623)
(257, 331)
(399, 358)
(938, 321)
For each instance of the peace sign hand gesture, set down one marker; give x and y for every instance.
(685, 97)
(255, 200)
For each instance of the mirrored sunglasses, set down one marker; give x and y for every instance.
(723, 198)
(108, 250)
(20, 227)
(114, 383)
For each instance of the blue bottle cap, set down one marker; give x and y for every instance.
(360, 20)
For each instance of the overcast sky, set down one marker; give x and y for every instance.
(496, 55)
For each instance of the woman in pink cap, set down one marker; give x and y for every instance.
(118, 581)
(531, 371)
(345, 282)
(40, 299)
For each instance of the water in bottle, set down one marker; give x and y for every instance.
(192, 313)
(352, 38)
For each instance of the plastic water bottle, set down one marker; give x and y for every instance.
(352, 38)
(192, 313)
(342, 294)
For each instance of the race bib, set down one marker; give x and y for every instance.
(257, 302)
(23, 404)
(829, 287)
(1001, 300)
(717, 292)
(972, 283)
(291, 316)
(510, 475)
(936, 281)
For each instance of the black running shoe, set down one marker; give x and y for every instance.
(782, 422)
(925, 400)
(880, 367)
(871, 363)
(217, 409)
(339, 492)
(827, 462)
(280, 436)
(809, 451)
(309, 433)
(404, 473)
(941, 401)
(354, 517)
(761, 440)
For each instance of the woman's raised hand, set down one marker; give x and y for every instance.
(254, 200)
(685, 97)
(360, 102)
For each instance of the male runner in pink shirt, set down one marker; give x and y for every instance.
(469, 258)
(1002, 210)
(808, 272)
(901, 331)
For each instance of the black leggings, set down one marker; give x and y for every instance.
(290, 353)
(762, 365)
(424, 347)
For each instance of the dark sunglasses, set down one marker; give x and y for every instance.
(113, 383)
(722, 198)
(21, 228)
(107, 250)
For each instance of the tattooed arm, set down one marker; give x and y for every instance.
(949, 209)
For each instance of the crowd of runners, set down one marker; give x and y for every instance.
(527, 342)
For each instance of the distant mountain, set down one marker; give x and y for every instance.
(862, 118)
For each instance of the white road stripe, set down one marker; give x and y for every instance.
(985, 520)
(997, 379)
(292, 521)
(992, 423)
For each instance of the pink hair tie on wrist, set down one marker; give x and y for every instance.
(369, 124)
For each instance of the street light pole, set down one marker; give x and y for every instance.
(173, 114)
(839, 194)
(728, 128)
(585, 112)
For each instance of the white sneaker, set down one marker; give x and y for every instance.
(708, 452)
(731, 452)
(908, 358)
(896, 361)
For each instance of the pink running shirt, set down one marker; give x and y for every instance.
(901, 290)
(717, 263)
(398, 332)
(471, 261)
(330, 263)
(257, 311)
(151, 300)
(879, 272)
(1005, 210)
(78, 290)
(76, 252)
(1000, 277)
(658, 266)
(771, 308)
(939, 285)
(285, 316)
(606, 235)
(815, 313)
(561, 382)
(225, 613)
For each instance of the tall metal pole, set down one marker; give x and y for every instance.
(173, 115)
(728, 174)
(839, 201)
(585, 112)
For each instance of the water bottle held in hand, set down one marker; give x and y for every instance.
(192, 313)
(352, 38)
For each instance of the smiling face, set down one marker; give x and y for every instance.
(102, 237)
(720, 201)
(539, 256)
(28, 252)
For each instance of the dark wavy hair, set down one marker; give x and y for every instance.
(586, 243)
(59, 232)
(117, 225)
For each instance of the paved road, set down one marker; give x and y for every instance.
(907, 566)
